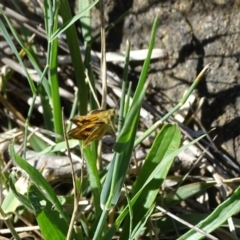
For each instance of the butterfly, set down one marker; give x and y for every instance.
(93, 126)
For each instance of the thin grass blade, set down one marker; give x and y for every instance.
(166, 142)
(224, 211)
(38, 179)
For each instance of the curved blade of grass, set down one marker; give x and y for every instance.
(94, 178)
(174, 109)
(113, 183)
(186, 191)
(86, 20)
(224, 211)
(58, 147)
(166, 142)
(38, 179)
(124, 88)
(108, 182)
(115, 178)
(141, 224)
(51, 22)
(11, 44)
(36, 143)
(10, 202)
(87, 36)
(111, 176)
(132, 117)
(166, 223)
(160, 168)
(73, 45)
(117, 157)
(70, 22)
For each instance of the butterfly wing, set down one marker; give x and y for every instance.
(97, 133)
(92, 117)
(84, 120)
(85, 125)
(81, 132)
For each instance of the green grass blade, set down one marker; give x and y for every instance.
(57, 147)
(124, 87)
(116, 175)
(51, 24)
(186, 191)
(174, 109)
(48, 17)
(117, 158)
(139, 228)
(94, 178)
(129, 129)
(85, 19)
(38, 179)
(68, 23)
(73, 45)
(224, 211)
(108, 182)
(37, 144)
(49, 221)
(28, 53)
(113, 183)
(166, 142)
(11, 44)
(132, 117)
(57, 109)
(167, 225)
